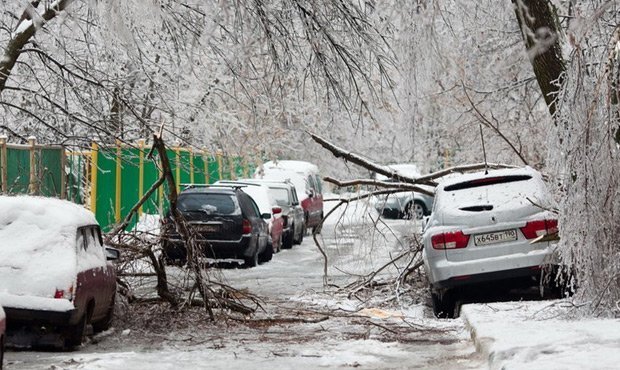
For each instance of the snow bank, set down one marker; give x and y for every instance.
(532, 335)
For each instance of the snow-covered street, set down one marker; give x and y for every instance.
(304, 323)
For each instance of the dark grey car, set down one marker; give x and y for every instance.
(227, 222)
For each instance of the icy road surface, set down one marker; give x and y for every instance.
(305, 323)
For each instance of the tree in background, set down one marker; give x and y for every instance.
(241, 76)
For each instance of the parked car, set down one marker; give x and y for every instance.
(407, 204)
(490, 227)
(266, 205)
(228, 223)
(56, 274)
(2, 335)
(285, 196)
(305, 177)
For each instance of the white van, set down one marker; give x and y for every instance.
(305, 177)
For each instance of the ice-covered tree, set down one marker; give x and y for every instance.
(573, 47)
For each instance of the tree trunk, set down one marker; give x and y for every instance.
(541, 32)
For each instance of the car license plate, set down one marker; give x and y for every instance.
(208, 228)
(496, 237)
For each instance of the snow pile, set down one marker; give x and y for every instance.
(37, 244)
(528, 335)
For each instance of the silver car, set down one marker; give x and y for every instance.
(407, 204)
(488, 227)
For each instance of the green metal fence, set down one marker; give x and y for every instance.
(32, 169)
(121, 175)
(109, 180)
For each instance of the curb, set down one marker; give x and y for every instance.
(483, 345)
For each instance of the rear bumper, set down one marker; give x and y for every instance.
(175, 248)
(19, 317)
(444, 274)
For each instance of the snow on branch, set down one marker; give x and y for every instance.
(391, 173)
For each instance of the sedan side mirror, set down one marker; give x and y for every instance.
(265, 216)
(112, 254)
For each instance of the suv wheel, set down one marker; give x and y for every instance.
(267, 254)
(444, 305)
(302, 232)
(252, 261)
(289, 238)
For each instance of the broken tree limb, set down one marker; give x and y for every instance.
(179, 221)
(366, 163)
(123, 225)
(397, 186)
(391, 173)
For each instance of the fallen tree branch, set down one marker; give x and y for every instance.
(363, 162)
(401, 186)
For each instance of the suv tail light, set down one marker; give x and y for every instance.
(534, 229)
(450, 240)
(246, 227)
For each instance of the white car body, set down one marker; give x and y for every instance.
(485, 227)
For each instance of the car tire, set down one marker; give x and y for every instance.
(74, 335)
(289, 238)
(444, 305)
(267, 254)
(106, 322)
(252, 261)
(415, 209)
(1, 352)
(302, 233)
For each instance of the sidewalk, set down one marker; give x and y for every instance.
(533, 335)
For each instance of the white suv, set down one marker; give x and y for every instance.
(487, 227)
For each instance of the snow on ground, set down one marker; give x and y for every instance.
(528, 335)
(306, 324)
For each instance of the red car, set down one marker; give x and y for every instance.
(55, 272)
(305, 177)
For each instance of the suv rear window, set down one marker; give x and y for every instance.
(486, 181)
(210, 203)
(281, 196)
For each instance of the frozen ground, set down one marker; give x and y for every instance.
(304, 324)
(307, 324)
(535, 335)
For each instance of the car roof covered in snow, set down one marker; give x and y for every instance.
(301, 167)
(38, 243)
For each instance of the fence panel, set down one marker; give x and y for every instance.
(51, 180)
(121, 175)
(32, 169)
